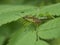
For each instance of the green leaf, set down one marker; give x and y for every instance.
(23, 35)
(8, 29)
(40, 42)
(9, 13)
(50, 29)
(50, 10)
(5, 30)
(4, 33)
(25, 38)
(56, 41)
(2, 39)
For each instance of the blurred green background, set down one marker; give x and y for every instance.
(29, 2)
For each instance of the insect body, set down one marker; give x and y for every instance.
(37, 20)
(32, 19)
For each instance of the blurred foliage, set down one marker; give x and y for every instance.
(30, 2)
(16, 28)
